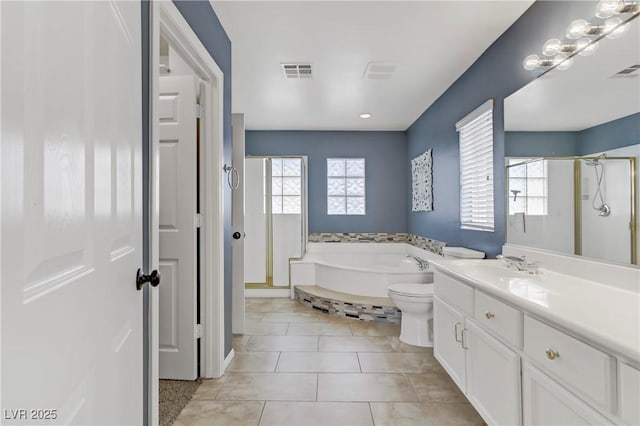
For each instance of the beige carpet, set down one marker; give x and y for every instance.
(174, 396)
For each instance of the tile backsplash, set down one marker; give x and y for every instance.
(433, 246)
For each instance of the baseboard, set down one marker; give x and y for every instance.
(267, 292)
(228, 359)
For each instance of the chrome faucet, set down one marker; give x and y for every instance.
(422, 264)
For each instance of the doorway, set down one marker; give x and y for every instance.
(186, 336)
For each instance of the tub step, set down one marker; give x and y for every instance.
(378, 309)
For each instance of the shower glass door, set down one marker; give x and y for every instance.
(275, 218)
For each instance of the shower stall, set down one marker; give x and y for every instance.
(275, 219)
(577, 205)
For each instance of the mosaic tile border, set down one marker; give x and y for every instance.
(384, 314)
(428, 244)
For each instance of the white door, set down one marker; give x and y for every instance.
(71, 210)
(447, 341)
(237, 224)
(178, 174)
(493, 378)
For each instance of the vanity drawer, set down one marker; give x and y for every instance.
(454, 292)
(585, 369)
(501, 319)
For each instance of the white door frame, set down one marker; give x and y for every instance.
(167, 20)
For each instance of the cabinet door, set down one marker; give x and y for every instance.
(447, 348)
(547, 403)
(493, 377)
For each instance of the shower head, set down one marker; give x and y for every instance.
(594, 161)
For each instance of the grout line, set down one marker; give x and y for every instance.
(275, 370)
(264, 404)
(359, 365)
(317, 385)
(373, 420)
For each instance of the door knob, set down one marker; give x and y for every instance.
(236, 235)
(153, 279)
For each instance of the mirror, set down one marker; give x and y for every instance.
(572, 142)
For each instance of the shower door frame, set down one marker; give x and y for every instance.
(268, 284)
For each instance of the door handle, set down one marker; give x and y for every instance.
(236, 235)
(153, 278)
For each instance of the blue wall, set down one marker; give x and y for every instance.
(385, 154)
(614, 134)
(495, 75)
(208, 28)
(540, 144)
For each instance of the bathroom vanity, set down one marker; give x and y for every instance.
(550, 348)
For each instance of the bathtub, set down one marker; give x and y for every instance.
(364, 269)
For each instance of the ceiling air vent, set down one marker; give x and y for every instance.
(629, 72)
(379, 70)
(297, 71)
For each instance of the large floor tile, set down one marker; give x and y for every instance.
(398, 346)
(318, 329)
(254, 361)
(425, 414)
(319, 362)
(316, 414)
(436, 387)
(223, 413)
(369, 328)
(269, 386)
(398, 363)
(258, 304)
(354, 344)
(282, 343)
(239, 342)
(209, 388)
(293, 317)
(365, 387)
(261, 328)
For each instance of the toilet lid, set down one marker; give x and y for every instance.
(412, 289)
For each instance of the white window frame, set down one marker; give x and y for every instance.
(477, 209)
(347, 196)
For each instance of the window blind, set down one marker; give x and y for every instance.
(476, 169)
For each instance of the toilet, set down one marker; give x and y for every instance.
(415, 301)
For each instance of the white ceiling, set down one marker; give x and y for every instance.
(432, 42)
(583, 96)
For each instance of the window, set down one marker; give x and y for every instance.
(476, 169)
(528, 186)
(286, 186)
(345, 186)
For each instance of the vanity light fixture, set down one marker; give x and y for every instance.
(583, 35)
(365, 115)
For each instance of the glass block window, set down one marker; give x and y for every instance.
(286, 186)
(528, 186)
(345, 186)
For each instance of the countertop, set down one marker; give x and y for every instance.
(604, 314)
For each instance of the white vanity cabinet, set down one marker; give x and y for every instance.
(486, 370)
(517, 368)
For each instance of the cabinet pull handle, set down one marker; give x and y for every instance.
(552, 354)
(489, 315)
(457, 333)
(464, 344)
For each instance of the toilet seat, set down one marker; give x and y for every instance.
(423, 291)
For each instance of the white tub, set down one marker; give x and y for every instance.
(365, 269)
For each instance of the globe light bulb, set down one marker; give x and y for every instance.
(562, 61)
(613, 29)
(552, 47)
(608, 8)
(531, 62)
(578, 28)
(586, 47)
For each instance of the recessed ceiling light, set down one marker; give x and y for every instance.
(365, 115)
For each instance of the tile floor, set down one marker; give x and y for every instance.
(298, 367)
